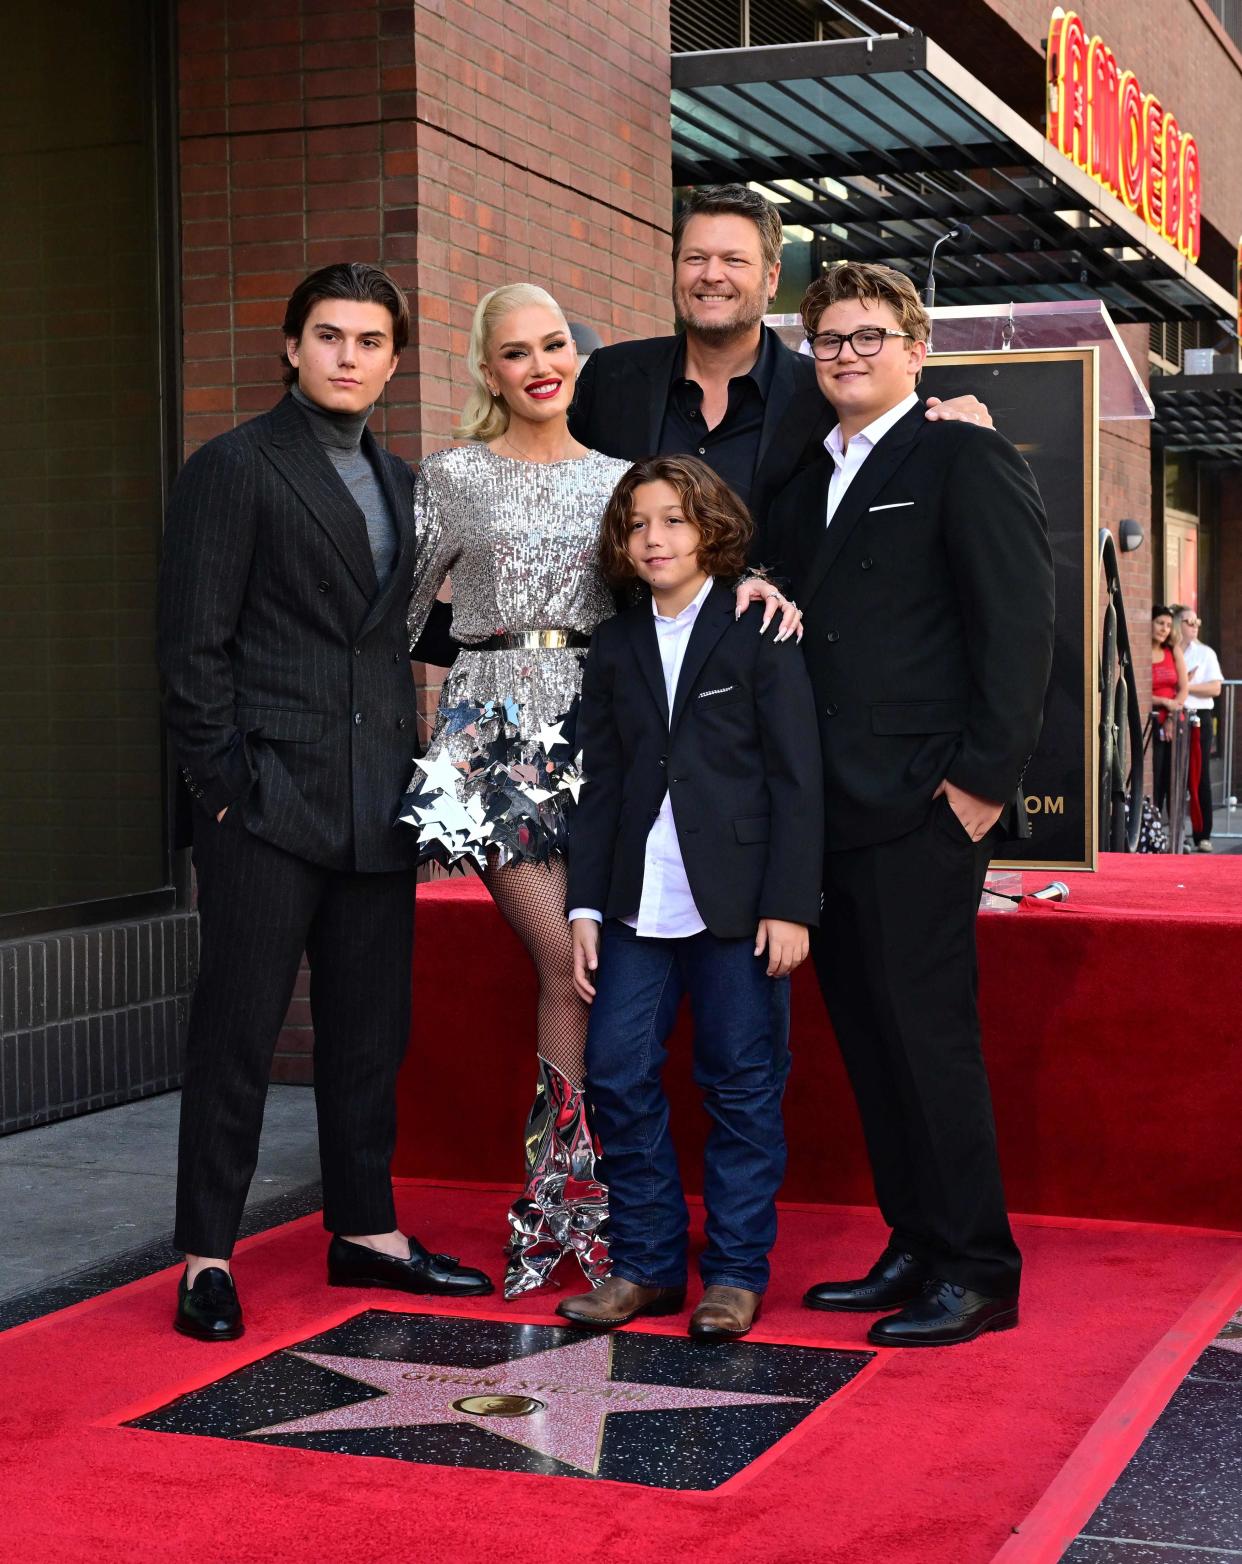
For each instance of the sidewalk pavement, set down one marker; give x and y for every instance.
(89, 1201)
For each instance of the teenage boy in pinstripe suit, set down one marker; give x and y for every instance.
(289, 557)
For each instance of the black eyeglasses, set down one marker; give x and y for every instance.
(866, 342)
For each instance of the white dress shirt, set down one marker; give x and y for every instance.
(666, 909)
(847, 459)
(1202, 667)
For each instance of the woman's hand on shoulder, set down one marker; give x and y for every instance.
(754, 589)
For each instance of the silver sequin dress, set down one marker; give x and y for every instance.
(519, 539)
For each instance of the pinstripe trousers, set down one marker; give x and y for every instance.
(259, 908)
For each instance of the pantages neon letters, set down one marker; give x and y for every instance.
(1102, 120)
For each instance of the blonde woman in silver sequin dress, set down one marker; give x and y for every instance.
(514, 516)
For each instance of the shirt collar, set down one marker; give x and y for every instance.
(872, 434)
(759, 374)
(690, 611)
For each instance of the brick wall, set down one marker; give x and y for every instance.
(541, 153)
(460, 146)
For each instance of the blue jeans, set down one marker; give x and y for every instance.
(741, 1061)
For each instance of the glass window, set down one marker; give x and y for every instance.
(82, 813)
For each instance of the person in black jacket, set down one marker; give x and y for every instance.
(725, 388)
(920, 554)
(288, 565)
(697, 844)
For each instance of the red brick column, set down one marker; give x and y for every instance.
(459, 146)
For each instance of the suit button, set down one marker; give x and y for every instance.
(357, 651)
(396, 657)
(867, 564)
(663, 760)
(357, 719)
(401, 722)
(830, 710)
(833, 637)
(323, 586)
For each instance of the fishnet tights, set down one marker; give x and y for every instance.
(532, 898)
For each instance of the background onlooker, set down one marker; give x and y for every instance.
(1168, 696)
(1204, 677)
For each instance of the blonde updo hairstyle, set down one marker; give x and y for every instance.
(485, 417)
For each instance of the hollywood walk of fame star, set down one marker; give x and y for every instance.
(570, 1386)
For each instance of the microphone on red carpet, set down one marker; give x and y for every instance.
(1057, 891)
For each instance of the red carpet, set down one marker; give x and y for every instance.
(1111, 1025)
(930, 1458)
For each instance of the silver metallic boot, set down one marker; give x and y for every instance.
(563, 1209)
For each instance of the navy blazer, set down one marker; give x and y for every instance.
(288, 691)
(740, 757)
(929, 620)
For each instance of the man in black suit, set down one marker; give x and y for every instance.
(287, 570)
(726, 388)
(920, 555)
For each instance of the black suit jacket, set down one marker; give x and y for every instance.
(740, 757)
(288, 690)
(929, 620)
(622, 395)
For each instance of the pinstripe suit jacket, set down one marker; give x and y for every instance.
(288, 692)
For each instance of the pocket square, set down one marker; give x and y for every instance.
(722, 689)
(893, 505)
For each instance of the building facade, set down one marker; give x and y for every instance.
(171, 173)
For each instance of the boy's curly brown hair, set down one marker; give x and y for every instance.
(723, 522)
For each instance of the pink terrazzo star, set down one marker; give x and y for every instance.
(572, 1382)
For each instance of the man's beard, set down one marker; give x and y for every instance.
(751, 308)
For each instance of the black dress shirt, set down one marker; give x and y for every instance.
(731, 449)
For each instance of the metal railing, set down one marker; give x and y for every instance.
(1228, 821)
(1121, 720)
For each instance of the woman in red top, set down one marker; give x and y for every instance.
(1169, 686)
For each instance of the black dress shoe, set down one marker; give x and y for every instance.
(945, 1315)
(209, 1311)
(354, 1265)
(895, 1279)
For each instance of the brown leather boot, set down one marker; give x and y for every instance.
(617, 1302)
(725, 1313)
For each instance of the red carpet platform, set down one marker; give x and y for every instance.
(923, 1458)
(1112, 1025)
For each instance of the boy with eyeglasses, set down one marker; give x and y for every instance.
(919, 553)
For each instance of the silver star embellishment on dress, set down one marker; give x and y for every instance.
(555, 1402)
(440, 773)
(549, 736)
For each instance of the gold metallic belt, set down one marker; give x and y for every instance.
(529, 641)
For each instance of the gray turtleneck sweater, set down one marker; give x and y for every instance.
(340, 434)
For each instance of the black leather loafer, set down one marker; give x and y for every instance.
(210, 1310)
(895, 1279)
(354, 1265)
(944, 1316)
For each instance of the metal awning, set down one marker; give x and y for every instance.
(877, 143)
(1201, 413)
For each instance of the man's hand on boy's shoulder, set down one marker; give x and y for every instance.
(965, 409)
(585, 935)
(787, 945)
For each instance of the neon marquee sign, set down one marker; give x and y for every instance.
(1101, 119)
